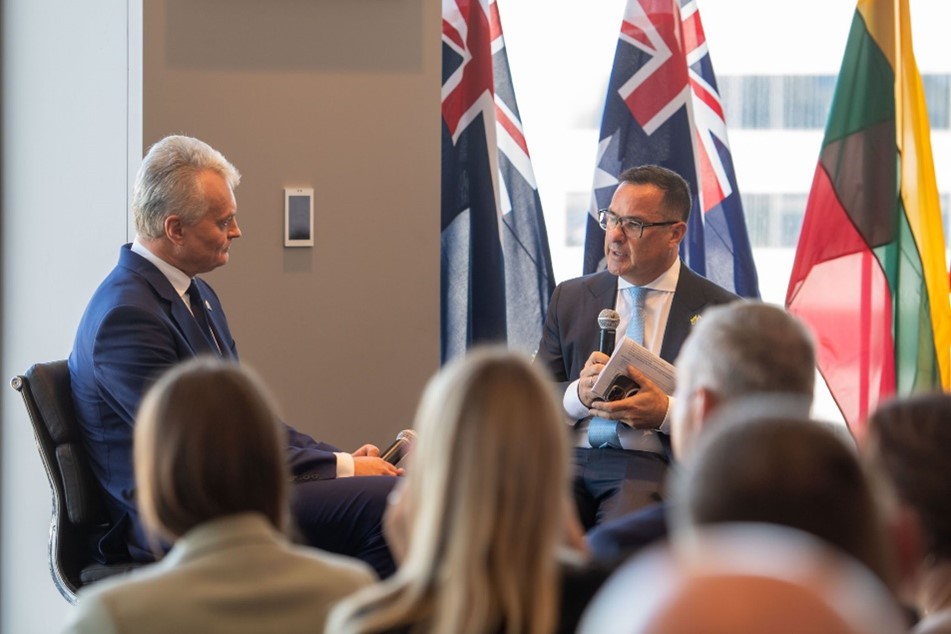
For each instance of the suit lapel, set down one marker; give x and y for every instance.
(688, 302)
(177, 310)
(215, 319)
(601, 293)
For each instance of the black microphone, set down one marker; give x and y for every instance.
(608, 321)
(400, 447)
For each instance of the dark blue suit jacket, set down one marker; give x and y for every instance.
(135, 328)
(618, 539)
(571, 332)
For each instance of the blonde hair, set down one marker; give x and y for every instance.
(485, 508)
(208, 444)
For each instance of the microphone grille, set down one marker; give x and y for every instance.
(609, 319)
(406, 434)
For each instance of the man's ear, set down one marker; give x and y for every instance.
(678, 231)
(704, 402)
(175, 229)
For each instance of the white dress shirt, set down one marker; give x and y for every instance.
(657, 303)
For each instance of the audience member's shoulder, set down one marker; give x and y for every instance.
(614, 541)
(346, 571)
(89, 616)
(98, 605)
(580, 581)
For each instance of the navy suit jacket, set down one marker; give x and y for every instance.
(136, 327)
(618, 539)
(571, 332)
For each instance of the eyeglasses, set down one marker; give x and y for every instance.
(632, 227)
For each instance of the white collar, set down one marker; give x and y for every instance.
(176, 277)
(666, 281)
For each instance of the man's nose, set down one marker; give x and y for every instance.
(616, 233)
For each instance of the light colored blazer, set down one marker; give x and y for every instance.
(234, 574)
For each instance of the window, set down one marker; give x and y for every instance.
(803, 101)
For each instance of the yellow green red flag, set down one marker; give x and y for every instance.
(870, 275)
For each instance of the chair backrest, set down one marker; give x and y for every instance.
(79, 516)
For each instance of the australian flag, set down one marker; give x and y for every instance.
(663, 108)
(496, 267)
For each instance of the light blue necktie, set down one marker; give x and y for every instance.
(602, 432)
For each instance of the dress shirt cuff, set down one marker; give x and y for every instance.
(575, 409)
(665, 426)
(344, 464)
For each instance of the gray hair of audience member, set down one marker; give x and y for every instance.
(748, 347)
(743, 578)
(208, 444)
(676, 190)
(485, 499)
(167, 183)
(789, 472)
(909, 441)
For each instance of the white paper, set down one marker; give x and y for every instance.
(613, 382)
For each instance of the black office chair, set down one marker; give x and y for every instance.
(79, 516)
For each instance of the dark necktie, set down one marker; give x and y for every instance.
(601, 431)
(197, 303)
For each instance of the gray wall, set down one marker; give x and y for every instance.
(340, 95)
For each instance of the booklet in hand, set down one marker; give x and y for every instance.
(613, 383)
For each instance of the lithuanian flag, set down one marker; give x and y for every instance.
(870, 275)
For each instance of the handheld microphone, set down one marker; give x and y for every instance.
(400, 447)
(608, 321)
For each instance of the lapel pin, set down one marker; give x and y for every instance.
(694, 320)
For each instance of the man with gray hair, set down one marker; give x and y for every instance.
(152, 312)
(738, 352)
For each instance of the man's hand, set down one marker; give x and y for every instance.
(644, 410)
(367, 461)
(589, 374)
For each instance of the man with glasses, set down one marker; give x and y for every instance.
(623, 447)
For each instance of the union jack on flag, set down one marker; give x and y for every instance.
(663, 108)
(496, 268)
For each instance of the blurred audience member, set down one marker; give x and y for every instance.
(222, 500)
(734, 352)
(737, 578)
(478, 531)
(909, 442)
(790, 472)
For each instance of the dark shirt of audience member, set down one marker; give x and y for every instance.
(790, 472)
(478, 532)
(222, 500)
(735, 352)
(739, 578)
(908, 441)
